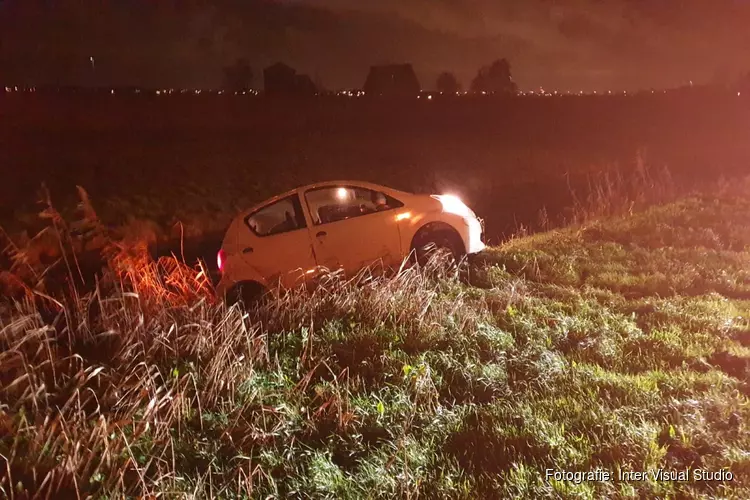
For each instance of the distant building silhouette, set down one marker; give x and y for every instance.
(392, 80)
(303, 85)
(282, 80)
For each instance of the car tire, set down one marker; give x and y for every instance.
(246, 294)
(438, 242)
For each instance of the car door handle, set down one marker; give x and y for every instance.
(321, 234)
(247, 250)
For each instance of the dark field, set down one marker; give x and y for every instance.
(199, 159)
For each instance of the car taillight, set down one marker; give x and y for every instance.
(220, 260)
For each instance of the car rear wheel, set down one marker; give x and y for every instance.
(246, 294)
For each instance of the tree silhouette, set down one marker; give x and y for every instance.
(495, 78)
(392, 80)
(239, 76)
(744, 84)
(448, 83)
(319, 85)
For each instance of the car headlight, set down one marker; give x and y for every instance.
(453, 205)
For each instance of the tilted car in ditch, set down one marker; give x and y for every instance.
(339, 225)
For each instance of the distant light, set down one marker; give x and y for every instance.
(112, 91)
(429, 97)
(158, 92)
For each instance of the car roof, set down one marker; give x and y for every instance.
(323, 184)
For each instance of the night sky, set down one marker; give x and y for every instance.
(560, 45)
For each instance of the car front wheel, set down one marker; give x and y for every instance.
(439, 246)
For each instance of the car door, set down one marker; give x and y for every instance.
(277, 243)
(350, 231)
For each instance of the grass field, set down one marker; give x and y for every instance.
(620, 344)
(619, 341)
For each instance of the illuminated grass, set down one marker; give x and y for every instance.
(619, 344)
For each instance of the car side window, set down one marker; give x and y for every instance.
(279, 217)
(335, 203)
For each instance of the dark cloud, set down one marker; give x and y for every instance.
(580, 26)
(586, 44)
(635, 42)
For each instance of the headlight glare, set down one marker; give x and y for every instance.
(452, 204)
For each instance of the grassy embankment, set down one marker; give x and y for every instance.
(619, 343)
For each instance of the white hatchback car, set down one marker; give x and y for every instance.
(289, 239)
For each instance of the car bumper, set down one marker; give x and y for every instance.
(475, 241)
(223, 287)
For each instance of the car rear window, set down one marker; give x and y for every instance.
(281, 216)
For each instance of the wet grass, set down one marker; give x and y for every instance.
(621, 343)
